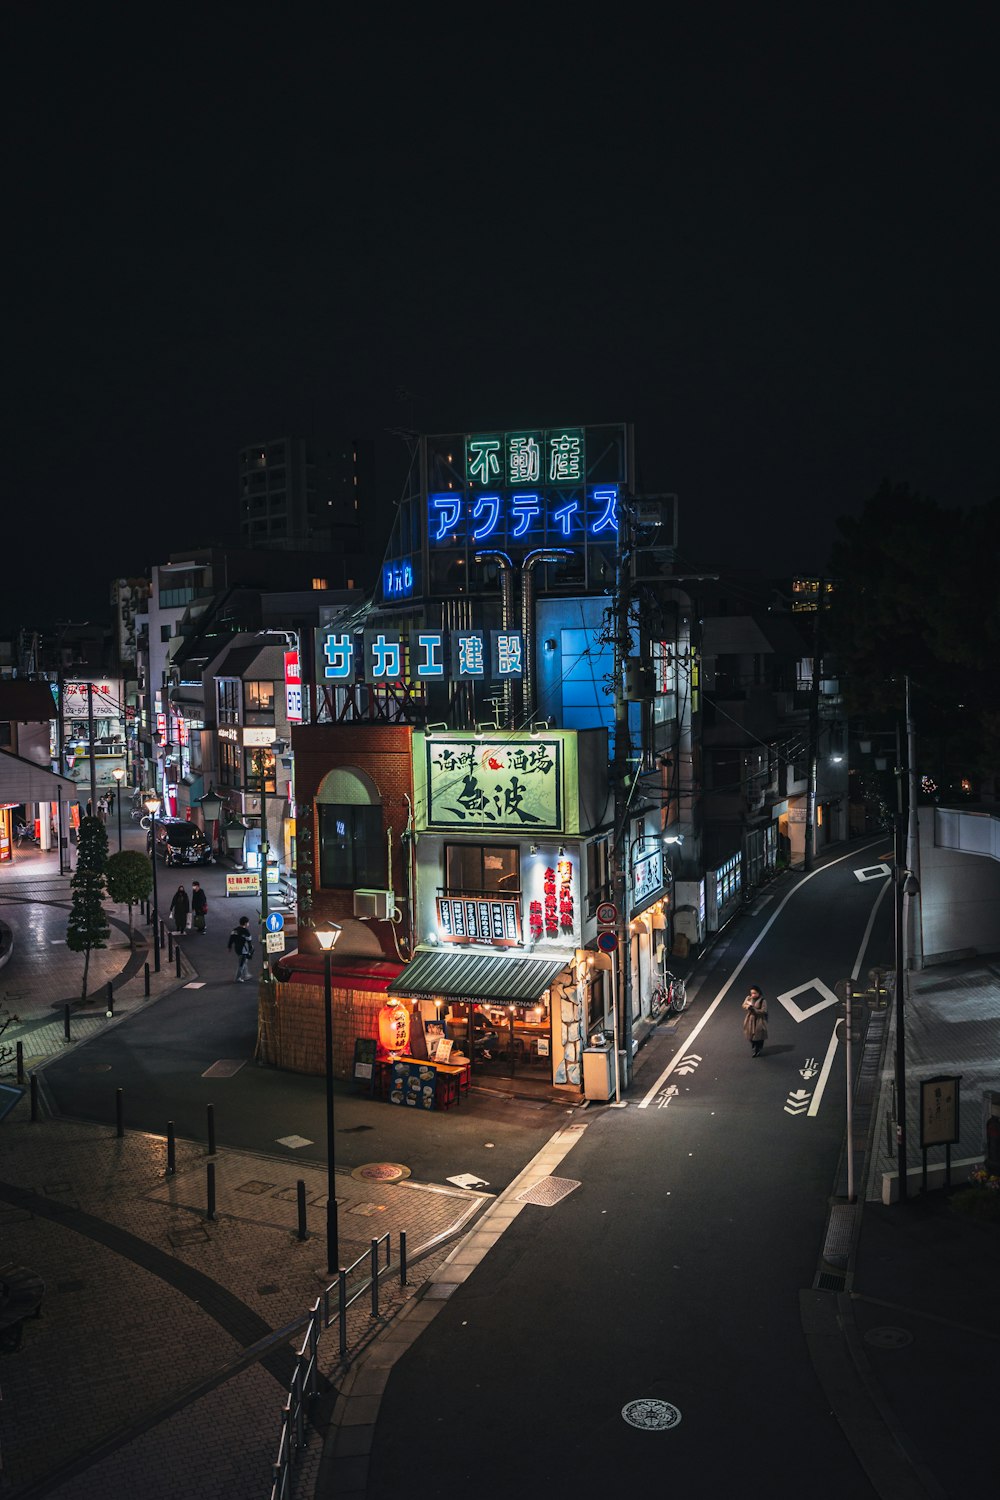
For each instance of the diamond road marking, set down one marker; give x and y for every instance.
(795, 1011)
(293, 1142)
(872, 872)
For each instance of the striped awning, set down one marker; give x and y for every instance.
(502, 978)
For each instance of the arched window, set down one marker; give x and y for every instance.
(352, 843)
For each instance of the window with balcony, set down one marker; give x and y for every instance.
(471, 870)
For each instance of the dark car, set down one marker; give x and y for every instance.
(180, 843)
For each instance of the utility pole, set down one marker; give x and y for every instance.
(809, 843)
(622, 638)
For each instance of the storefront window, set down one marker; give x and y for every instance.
(229, 763)
(256, 761)
(491, 867)
(352, 847)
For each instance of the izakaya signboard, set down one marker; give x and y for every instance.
(647, 876)
(489, 920)
(293, 688)
(494, 781)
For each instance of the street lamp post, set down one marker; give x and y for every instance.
(152, 804)
(327, 939)
(119, 775)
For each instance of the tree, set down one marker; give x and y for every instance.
(88, 925)
(130, 880)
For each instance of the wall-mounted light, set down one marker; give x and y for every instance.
(550, 645)
(532, 848)
(562, 850)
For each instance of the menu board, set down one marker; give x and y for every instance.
(491, 920)
(413, 1084)
(364, 1060)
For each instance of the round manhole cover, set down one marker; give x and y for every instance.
(650, 1415)
(889, 1338)
(381, 1171)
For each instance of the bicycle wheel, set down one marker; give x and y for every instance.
(678, 996)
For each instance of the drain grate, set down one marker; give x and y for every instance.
(827, 1282)
(547, 1192)
(839, 1233)
(226, 1067)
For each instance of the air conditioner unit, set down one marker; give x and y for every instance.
(378, 905)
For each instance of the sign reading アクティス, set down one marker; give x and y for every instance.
(503, 781)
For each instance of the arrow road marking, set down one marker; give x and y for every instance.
(664, 1097)
(795, 1011)
(689, 1063)
(810, 1070)
(796, 1102)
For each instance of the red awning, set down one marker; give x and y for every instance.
(295, 967)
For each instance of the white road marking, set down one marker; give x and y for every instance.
(796, 1102)
(824, 1074)
(644, 1103)
(872, 872)
(868, 930)
(787, 999)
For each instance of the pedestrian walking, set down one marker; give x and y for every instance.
(755, 1019)
(199, 906)
(111, 801)
(179, 908)
(242, 943)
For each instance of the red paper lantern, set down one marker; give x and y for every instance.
(394, 1028)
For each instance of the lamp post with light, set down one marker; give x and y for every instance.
(152, 805)
(327, 939)
(119, 774)
(211, 809)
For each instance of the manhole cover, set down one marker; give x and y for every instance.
(888, 1338)
(550, 1190)
(651, 1416)
(381, 1171)
(255, 1186)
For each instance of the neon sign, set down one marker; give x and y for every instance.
(434, 655)
(556, 456)
(397, 579)
(454, 520)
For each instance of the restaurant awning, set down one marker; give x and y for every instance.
(25, 781)
(502, 978)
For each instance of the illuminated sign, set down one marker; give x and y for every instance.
(483, 920)
(478, 518)
(434, 655)
(647, 875)
(507, 783)
(293, 688)
(397, 579)
(558, 456)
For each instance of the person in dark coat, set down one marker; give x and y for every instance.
(755, 1020)
(179, 908)
(199, 906)
(242, 944)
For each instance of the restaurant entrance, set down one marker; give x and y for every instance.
(507, 1040)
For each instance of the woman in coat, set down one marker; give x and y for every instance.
(755, 1020)
(179, 908)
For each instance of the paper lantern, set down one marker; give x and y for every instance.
(394, 1028)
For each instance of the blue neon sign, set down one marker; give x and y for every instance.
(525, 518)
(397, 579)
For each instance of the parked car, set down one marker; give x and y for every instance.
(180, 843)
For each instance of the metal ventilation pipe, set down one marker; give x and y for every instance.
(506, 571)
(528, 565)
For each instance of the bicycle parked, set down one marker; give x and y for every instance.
(671, 997)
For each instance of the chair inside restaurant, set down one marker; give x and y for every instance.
(506, 1039)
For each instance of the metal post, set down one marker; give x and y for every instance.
(210, 1112)
(374, 1256)
(145, 980)
(120, 1113)
(332, 1230)
(118, 801)
(20, 1062)
(157, 935)
(809, 842)
(848, 996)
(300, 1195)
(170, 947)
(900, 1032)
(92, 750)
(171, 1149)
(34, 1097)
(342, 1310)
(177, 959)
(66, 1023)
(211, 1190)
(402, 1257)
(110, 1000)
(163, 933)
(614, 1013)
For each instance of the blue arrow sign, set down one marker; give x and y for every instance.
(275, 921)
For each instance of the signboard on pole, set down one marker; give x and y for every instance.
(939, 1111)
(607, 914)
(275, 942)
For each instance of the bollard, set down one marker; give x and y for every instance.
(342, 1310)
(170, 947)
(163, 934)
(145, 980)
(34, 1097)
(300, 1190)
(171, 1152)
(374, 1278)
(149, 915)
(177, 959)
(20, 1062)
(119, 1113)
(402, 1257)
(211, 1191)
(66, 1023)
(210, 1111)
(109, 1012)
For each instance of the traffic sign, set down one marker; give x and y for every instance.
(275, 942)
(275, 921)
(607, 941)
(607, 914)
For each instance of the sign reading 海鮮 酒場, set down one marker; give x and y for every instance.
(510, 782)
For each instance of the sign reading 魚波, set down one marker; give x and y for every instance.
(510, 782)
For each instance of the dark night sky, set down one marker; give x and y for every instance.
(766, 235)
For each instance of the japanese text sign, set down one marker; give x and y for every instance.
(512, 782)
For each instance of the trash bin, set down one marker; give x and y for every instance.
(598, 1079)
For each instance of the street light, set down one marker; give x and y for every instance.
(119, 774)
(211, 809)
(327, 939)
(152, 805)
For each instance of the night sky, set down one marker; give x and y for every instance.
(765, 234)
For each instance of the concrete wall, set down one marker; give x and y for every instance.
(959, 882)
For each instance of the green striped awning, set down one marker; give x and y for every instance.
(503, 978)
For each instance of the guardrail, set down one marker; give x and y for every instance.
(304, 1385)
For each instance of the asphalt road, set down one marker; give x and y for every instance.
(672, 1272)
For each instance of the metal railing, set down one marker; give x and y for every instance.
(304, 1386)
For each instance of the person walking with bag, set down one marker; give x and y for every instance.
(179, 908)
(199, 906)
(242, 943)
(755, 1020)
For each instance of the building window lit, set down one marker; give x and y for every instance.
(319, 583)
